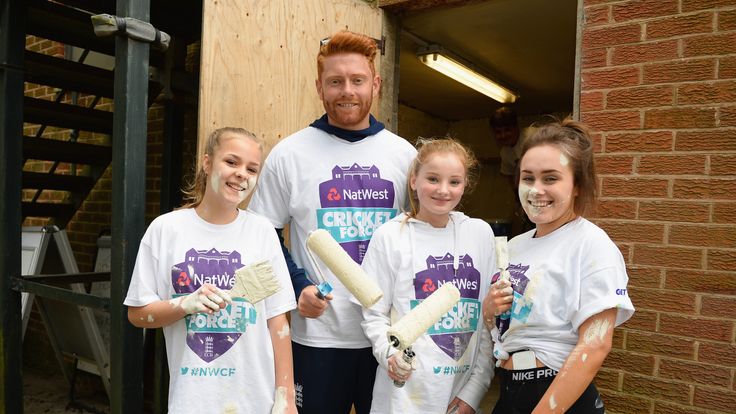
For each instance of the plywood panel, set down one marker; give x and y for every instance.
(258, 63)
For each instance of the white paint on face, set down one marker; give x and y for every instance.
(279, 404)
(284, 331)
(585, 356)
(215, 179)
(597, 331)
(563, 160)
(248, 186)
(552, 402)
(150, 318)
(527, 193)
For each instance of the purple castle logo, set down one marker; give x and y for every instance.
(353, 204)
(210, 336)
(453, 331)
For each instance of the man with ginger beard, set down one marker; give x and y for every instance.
(344, 173)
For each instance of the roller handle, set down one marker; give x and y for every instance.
(408, 357)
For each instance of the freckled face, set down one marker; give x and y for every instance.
(547, 189)
(347, 87)
(233, 169)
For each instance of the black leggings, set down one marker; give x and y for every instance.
(520, 397)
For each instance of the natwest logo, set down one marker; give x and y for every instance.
(364, 194)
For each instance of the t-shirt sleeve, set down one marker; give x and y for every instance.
(282, 301)
(271, 198)
(603, 284)
(142, 289)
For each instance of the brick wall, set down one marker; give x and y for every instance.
(659, 88)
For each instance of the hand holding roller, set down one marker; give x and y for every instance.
(352, 276)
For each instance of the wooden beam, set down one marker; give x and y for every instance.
(406, 6)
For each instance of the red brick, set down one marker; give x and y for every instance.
(672, 257)
(591, 101)
(612, 121)
(657, 344)
(691, 372)
(715, 399)
(727, 67)
(719, 306)
(618, 339)
(630, 362)
(680, 25)
(640, 97)
(721, 139)
(718, 283)
(611, 78)
(642, 320)
(644, 52)
(713, 44)
(680, 71)
(726, 20)
(615, 209)
(724, 213)
(663, 300)
(594, 58)
(692, 117)
(723, 164)
(645, 276)
(693, 5)
(717, 353)
(607, 379)
(596, 15)
(643, 9)
(698, 328)
(724, 260)
(622, 403)
(633, 232)
(661, 407)
(634, 187)
(614, 164)
(680, 211)
(671, 164)
(713, 189)
(648, 141)
(703, 235)
(727, 116)
(611, 35)
(706, 93)
(656, 388)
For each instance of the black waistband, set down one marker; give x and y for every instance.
(525, 375)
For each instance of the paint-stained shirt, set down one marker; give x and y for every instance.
(559, 281)
(222, 362)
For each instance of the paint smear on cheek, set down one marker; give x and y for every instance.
(215, 179)
(597, 331)
(279, 405)
(525, 193)
(585, 356)
(250, 185)
(284, 332)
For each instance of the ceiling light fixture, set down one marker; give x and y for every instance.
(454, 67)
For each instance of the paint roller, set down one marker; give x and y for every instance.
(406, 330)
(352, 276)
(502, 263)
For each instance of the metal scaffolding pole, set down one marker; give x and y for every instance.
(12, 46)
(128, 207)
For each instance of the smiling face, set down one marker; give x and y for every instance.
(439, 184)
(232, 170)
(547, 188)
(347, 86)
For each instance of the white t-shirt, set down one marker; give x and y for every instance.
(560, 280)
(314, 180)
(223, 361)
(410, 260)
